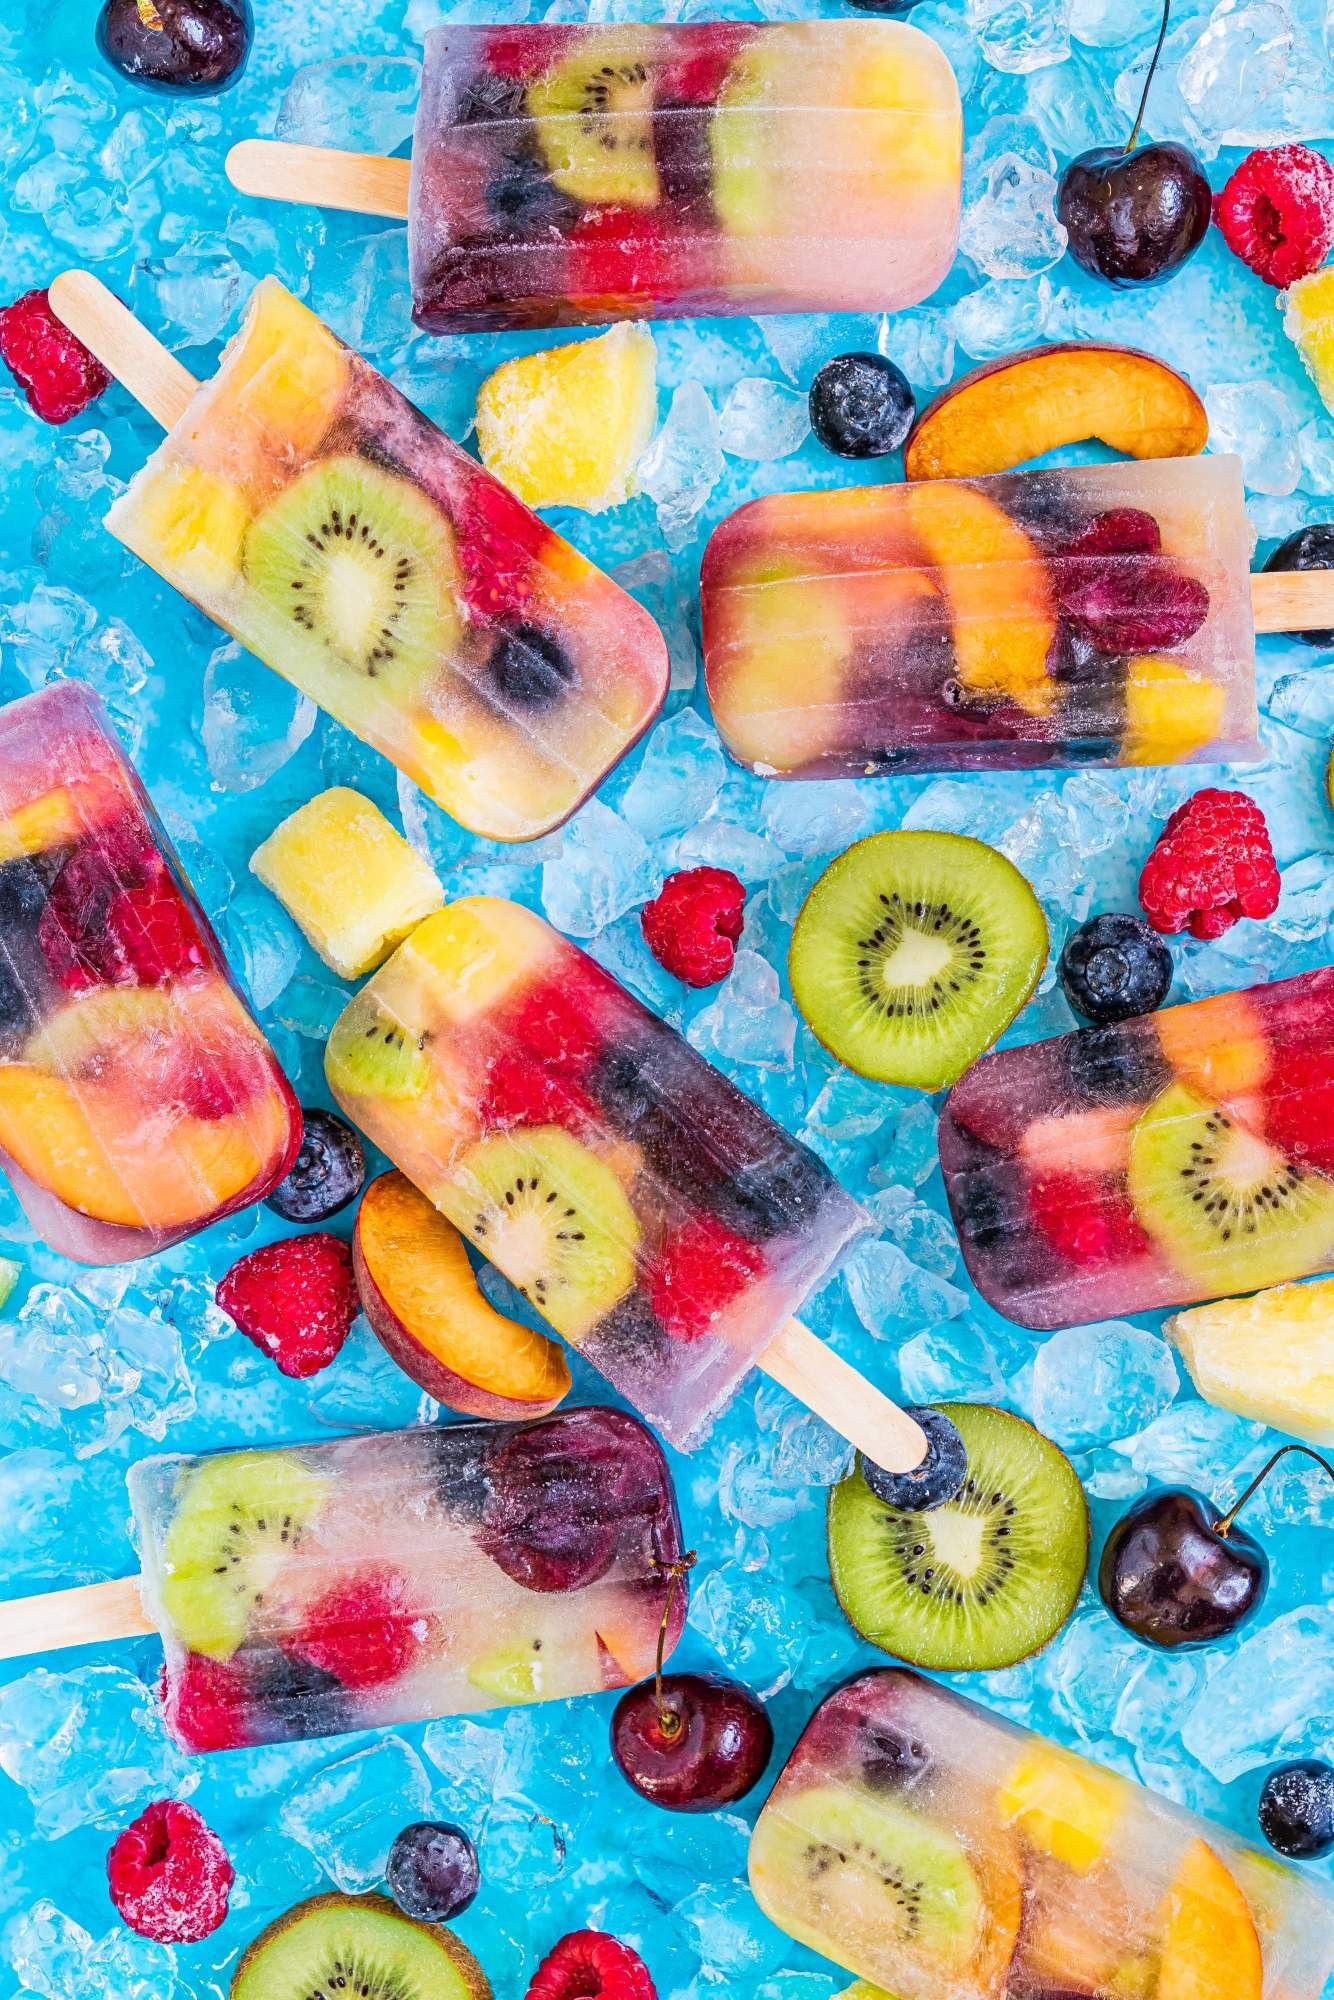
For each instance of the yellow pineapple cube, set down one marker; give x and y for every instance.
(1308, 320)
(1270, 1357)
(567, 427)
(1170, 714)
(1063, 1807)
(351, 882)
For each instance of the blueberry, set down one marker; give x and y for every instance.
(861, 406)
(1309, 548)
(530, 668)
(939, 1476)
(632, 1335)
(329, 1171)
(196, 46)
(432, 1871)
(1115, 966)
(884, 6)
(522, 197)
(1121, 1064)
(296, 1698)
(1297, 1809)
(776, 1196)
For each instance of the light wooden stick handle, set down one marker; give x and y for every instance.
(366, 183)
(1293, 600)
(854, 1407)
(93, 1614)
(153, 377)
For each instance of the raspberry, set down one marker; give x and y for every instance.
(1090, 1222)
(618, 257)
(205, 1707)
(1277, 212)
(169, 1874)
(362, 1631)
(520, 1092)
(58, 374)
(557, 1022)
(1299, 1107)
(153, 931)
(500, 551)
(697, 1274)
(693, 923)
(1213, 864)
(589, 1965)
(525, 51)
(295, 1299)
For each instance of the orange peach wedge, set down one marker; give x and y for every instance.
(1012, 410)
(419, 1292)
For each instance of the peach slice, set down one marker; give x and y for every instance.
(1218, 1045)
(420, 1295)
(63, 815)
(1014, 409)
(999, 596)
(1211, 1950)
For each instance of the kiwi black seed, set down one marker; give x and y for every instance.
(981, 1581)
(913, 952)
(357, 1948)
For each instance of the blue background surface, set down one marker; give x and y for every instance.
(98, 1368)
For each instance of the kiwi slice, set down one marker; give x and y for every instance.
(369, 1054)
(357, 565)
(553, 1217)
(594, 117)
(981, 1581)
(239, 1519)
(913, 952)
(832, 1866)
(1229, 1210)
(360, 1946)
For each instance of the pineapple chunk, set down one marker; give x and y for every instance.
(353, 884)
(1308, 320)
(568, 426)
(1270, 1357)
(1170, 714)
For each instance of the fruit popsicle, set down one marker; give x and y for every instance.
(1101, 614)
(138, 1098)
(565, 173)
(1183, 1155)
(303, 503)
(661, 1222)
(944, 1854)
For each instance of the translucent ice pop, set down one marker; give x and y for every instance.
(944, 1854)
(567, 172)
(661, 1222)
(310, 1589)
(304, 504)
(1101, 614)
(1185, 1155)
(138, 1098)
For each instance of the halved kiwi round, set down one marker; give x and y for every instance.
(238, 1522)
(357, 1945)
(594, 118)
(913, 952)
(983, 1580)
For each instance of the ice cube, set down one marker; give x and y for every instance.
(363, 104)
(600, 868)
(763, 420)
(681, 775)
(1092, 1384)
(683, 464)
(254, 720)
(86, 1746)
(749, 1022)
(348, 1813)
(1268, 1700)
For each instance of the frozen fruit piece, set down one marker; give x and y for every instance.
(198, 520)
(590, 1965)
(1299, 1107)
(624, 260)
(1114, 966)
(1311, 547)
(1210, 1947)
(593, 111)
(238, 1523)
(501, 551)
(517, 1092)
(1212, 864)
(693, 924)
(567, 426)
(360, 1629)
(1089, 1223)
(419, 1292)
(1063, 1806)
(55, 370)
(696, 1275)
(1308, 321)
(169, 1874)
(296, 1300)
(348, 879)
(1276, 212)
(326, 1174)
(1116, 531)
(1134, 605)
(205, 1705)
(1171, 715)
(287, 374)
(1217, 1045)
(1092, 1143)
(432, 1871)
(558, 1497)
(1269, 1357)
(998, 591)
(861, 406)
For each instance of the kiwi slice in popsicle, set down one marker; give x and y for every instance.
(594, 116)
(369, 1054)
(981, 1581)
(239, 1520)
(913, 952)
(357, 1945)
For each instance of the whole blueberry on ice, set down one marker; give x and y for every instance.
(1310, 548)
(327, 1174)
(861, 406)
(1115, 966)
(1297, 1809)
(432, 1871)
(188, 45)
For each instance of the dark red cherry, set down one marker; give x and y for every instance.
(691, 1742)
(197, 46)
(564, 1491)
(1133, 218)
(1177, 1574)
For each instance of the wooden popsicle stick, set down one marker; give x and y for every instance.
(366, 183)
(803, 1364)
(110, 330)
(1293, 600)
(91, 1614)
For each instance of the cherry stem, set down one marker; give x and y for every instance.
(676, 1574)
(1229, 1519)
(1148, 81)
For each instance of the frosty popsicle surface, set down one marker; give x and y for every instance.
(661, 1222)
(566, 173)
(312, 1589)
(138, 1098)
(1100, 614)
(1185, 1155)
(945, 1854)
(330, 527)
